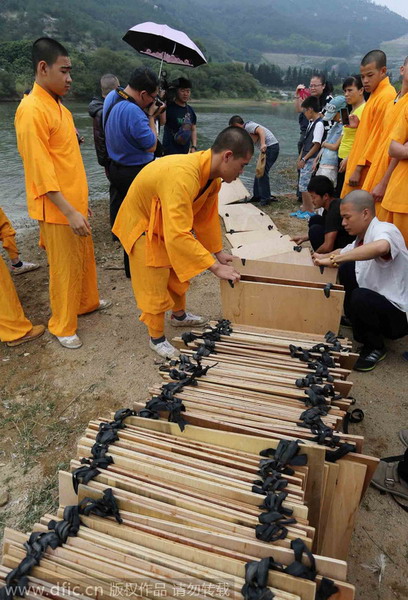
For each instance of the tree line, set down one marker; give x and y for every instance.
(272, 75)
(214, 80)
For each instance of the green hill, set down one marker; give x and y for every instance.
(227, 29)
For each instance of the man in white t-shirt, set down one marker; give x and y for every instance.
(264, 139)
(374, 272)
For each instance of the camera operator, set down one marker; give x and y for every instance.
(180, 129)
(130, 132)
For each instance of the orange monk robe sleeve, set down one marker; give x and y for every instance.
(33, 139)
(374, 138)
(207, 222)
(188, 257)
(6, 230)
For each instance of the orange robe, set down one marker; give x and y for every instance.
(369, 133)
(169, 199)
(394, 206)
(7, 236)
(52, 161)
(13, 323)
(381, 160)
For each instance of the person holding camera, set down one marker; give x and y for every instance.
(130, 131)
(179, 120)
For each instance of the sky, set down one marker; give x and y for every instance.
(398, 6)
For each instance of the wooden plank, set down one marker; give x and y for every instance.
(270, 305)
(253, 444)
(232, 192)
(264, 247)
(251, 222)
(341, 518)
(281, 270)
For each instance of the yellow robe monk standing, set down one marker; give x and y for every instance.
(369, 132)
(394, 206)
(169, 226)
(381, 159)
(13, 323)
(52, 161)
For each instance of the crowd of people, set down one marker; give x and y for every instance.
(352, 166)
(352, 178)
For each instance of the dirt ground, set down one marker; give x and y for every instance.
(48, 395)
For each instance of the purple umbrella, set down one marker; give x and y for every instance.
(167, 44)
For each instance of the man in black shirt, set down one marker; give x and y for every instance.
(326, 232)
(180, 121)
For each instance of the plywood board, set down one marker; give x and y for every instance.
(292, 258)
(298, 308)
(265, 247)
(250, 237)
(281, 270)
(232, 192)
(249, 222)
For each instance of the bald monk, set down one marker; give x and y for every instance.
(394, 206)
(383, 165)
(374, 273)
(373, 70)
(57, 191)
(169, 226)
(15, 328)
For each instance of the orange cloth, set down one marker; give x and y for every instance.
(381, 159)
(7, 236)
(369, 133)
(400, 220)
(73, 284)
(48, 145)
(167, 200)
(156, 289)
(13, 323)
(396, 197)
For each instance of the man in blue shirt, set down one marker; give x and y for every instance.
(180, 121)
(130, 131)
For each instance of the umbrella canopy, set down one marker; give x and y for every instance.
(164, 43)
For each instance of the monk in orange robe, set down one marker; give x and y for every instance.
(394, 206)
(373, 70)
(382, 165)
(169, 226)
(57, 191)
(15, 328)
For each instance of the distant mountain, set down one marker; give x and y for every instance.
(240, 30)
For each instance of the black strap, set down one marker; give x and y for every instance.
(17, 583)
(353, 416)
(326, 589)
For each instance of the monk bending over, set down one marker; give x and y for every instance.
(169, 226)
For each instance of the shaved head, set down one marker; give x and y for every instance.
(359, 200)
(375, 56)
(109, 82)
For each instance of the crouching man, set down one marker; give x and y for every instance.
(169, 226)
(374, 272)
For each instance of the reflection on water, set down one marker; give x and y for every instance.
(280, 119)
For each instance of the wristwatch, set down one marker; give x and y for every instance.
(195, 147)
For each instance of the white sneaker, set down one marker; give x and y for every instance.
(190, 320)
(104, 304)
(24, 268)
(164, 349)
(70, 341)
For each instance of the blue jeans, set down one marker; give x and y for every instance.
(262, 189)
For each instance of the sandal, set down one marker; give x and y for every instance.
(387, 479)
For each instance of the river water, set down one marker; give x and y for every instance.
(280, 119)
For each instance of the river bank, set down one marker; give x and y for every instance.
(48, 395)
